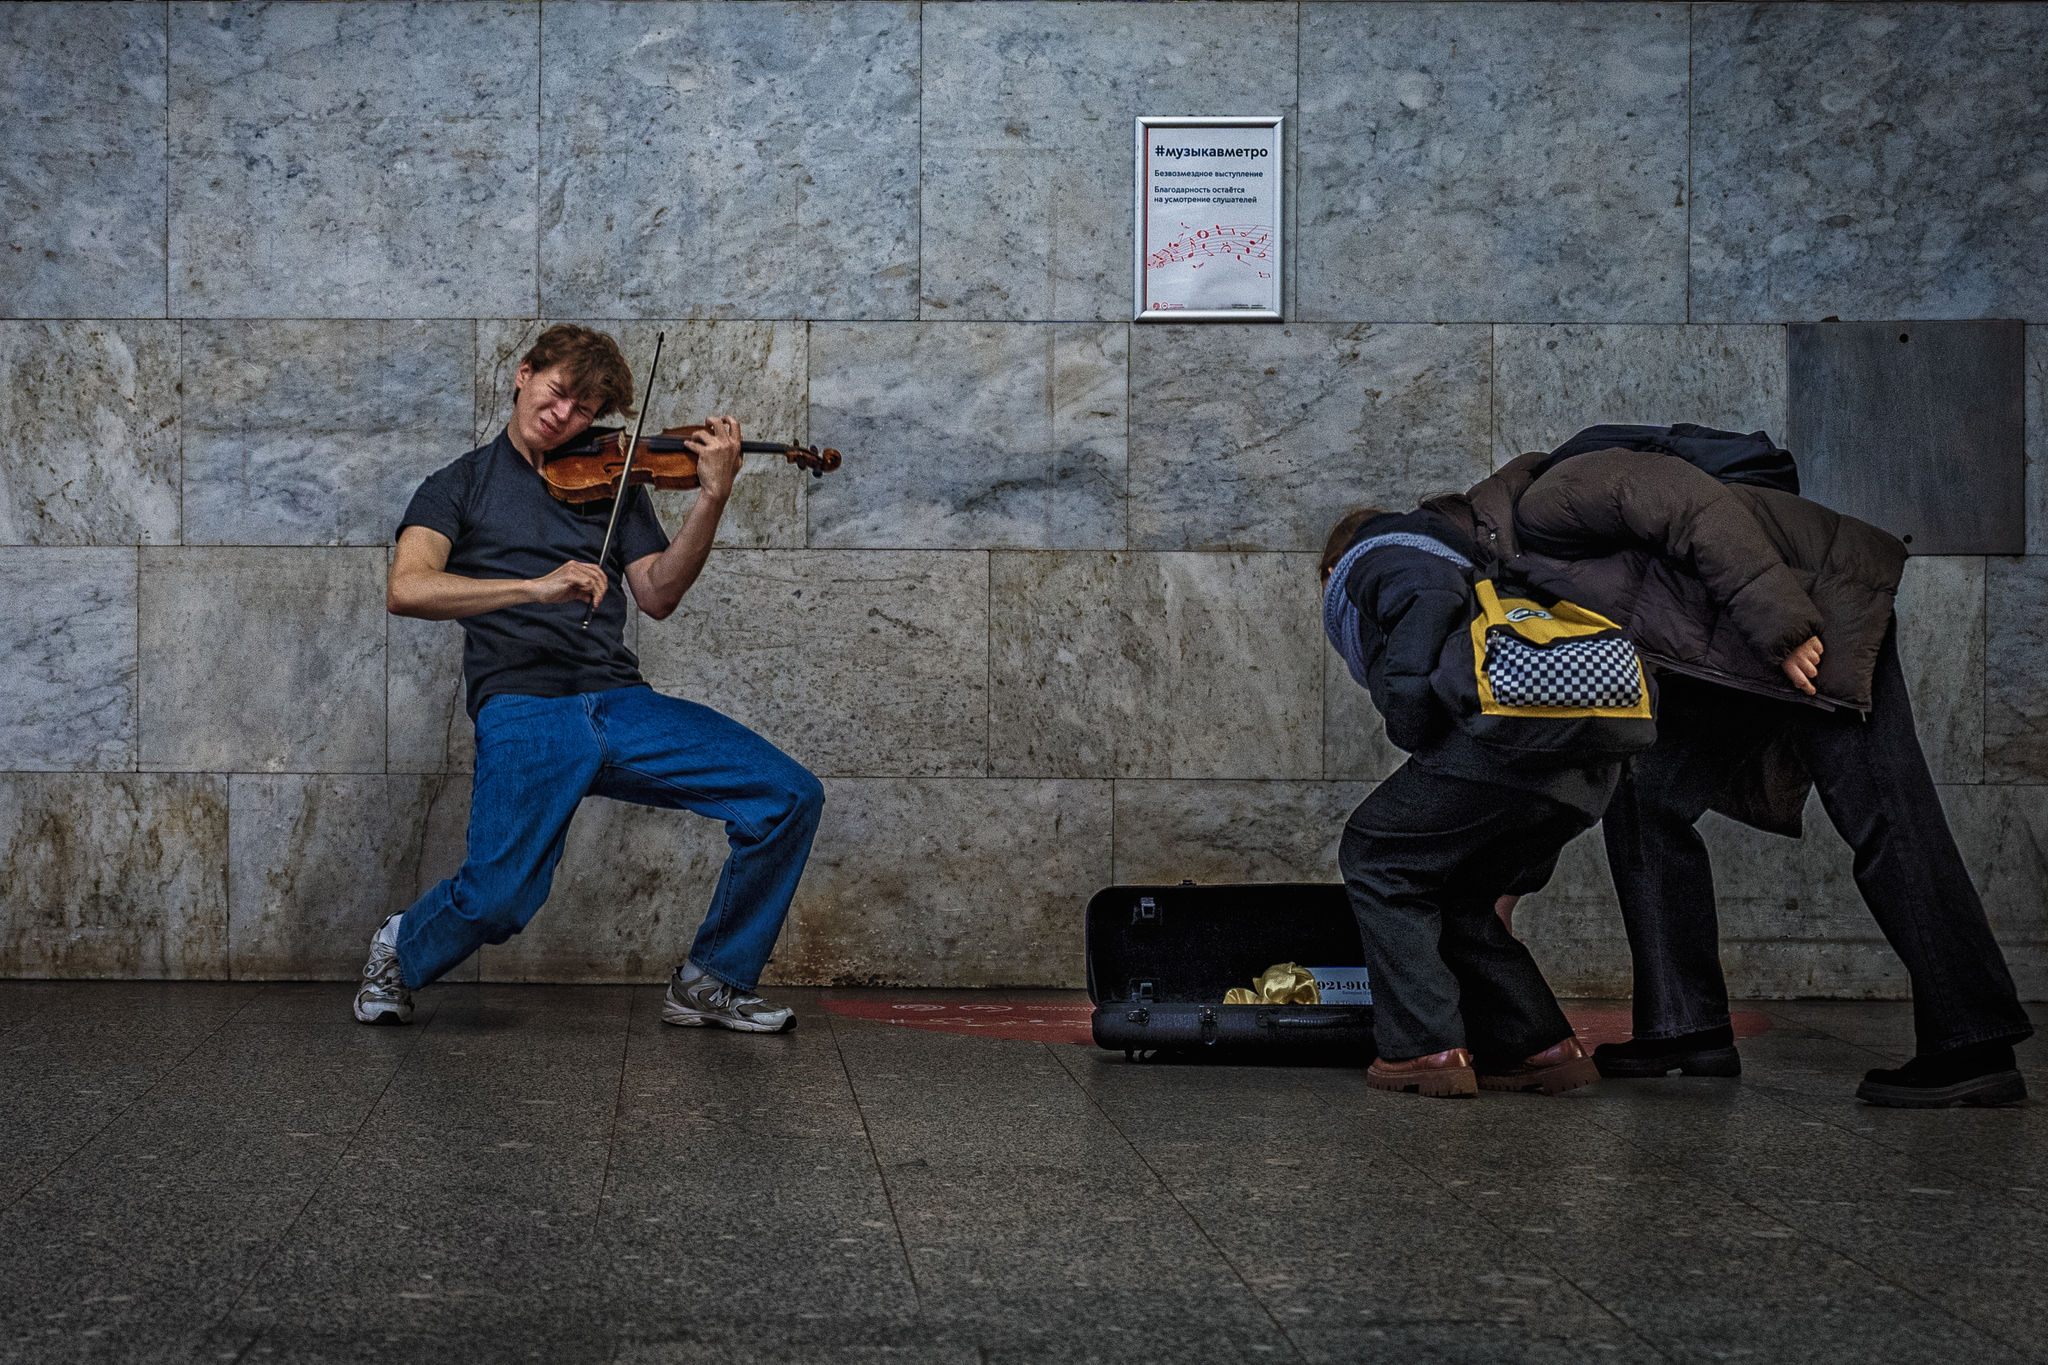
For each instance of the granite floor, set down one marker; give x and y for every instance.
(236, 1172)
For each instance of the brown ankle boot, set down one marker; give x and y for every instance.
(1446, 1074)
(1559, 1067)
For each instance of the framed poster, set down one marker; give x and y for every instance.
(1208, 230)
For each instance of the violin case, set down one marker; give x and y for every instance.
(1161, 957)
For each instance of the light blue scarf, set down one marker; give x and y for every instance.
(1340, 618)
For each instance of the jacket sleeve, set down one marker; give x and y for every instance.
(1614, 499)
(1416, 601)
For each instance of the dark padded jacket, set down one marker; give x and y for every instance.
(1409, 602)
(1720, 581)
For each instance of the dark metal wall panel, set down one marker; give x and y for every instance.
(1918, 427)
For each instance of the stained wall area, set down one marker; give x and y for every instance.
(1055, 624)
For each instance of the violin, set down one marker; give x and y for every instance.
(587, 469)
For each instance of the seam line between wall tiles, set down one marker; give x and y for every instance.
(539, 186)
(167, 159)
(1690, 10)
(917, 296)
(988, 664)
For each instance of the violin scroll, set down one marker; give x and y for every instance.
(819, 462)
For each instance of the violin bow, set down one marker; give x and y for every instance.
(619, 498)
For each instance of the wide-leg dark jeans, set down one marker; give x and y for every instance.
(1424, 858)
(1874, 784)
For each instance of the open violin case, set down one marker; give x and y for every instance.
(1161, 957)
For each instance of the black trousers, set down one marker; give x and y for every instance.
(1874, 784)
(1424, 858)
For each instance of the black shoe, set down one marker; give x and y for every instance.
(1710, 1052)
(1974, 1074)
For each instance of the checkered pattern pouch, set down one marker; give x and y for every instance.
(1584, 673)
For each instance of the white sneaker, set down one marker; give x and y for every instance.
(383, 997)
(696, 998)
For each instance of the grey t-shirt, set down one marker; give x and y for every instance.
(501, 522)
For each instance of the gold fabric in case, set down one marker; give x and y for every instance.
(1284, 983)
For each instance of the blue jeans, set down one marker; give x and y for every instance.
(538, 757)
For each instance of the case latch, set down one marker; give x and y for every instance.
(1208, 1028)
(1146, 911)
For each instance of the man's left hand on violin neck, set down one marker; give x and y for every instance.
(717, 449)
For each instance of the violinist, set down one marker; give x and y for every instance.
(560, 708)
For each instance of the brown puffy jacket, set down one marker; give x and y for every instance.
(1720, 581)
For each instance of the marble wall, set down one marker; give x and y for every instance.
(1054, 624)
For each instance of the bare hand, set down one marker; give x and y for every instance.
(717, 448)
(1505, 908)
(1802, 665)
(573, 582)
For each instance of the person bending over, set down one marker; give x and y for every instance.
(1458, 1003)
(561, 711)
(1770, 618)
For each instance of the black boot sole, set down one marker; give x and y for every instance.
(1708, 1061)
(1999, 1088)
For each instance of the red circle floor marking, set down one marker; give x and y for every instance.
(1039, 1023)
(1069, 1023)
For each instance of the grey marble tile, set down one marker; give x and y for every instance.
(426, 703)
(89, 433)
(355, 160)
(315, 864)
(1793, 925)
(628, 895)
(1231, 831)
(966, 436)
(2016, 670)
(1549, 382)
(868, 663)
(953, 882)
(2002, 832)
(1941, 615)
(82, 189)
(1155, 665)
(67, 629)
(1791, 919)
(1028, 112)
(1871, 169)
(317, 433)
(114, 874)
(1463, 163)
(262, 660)
(712, 160)
(2037, 440)
(1259, 438)
(1573, 925)
(754, 371)
(1355, 743)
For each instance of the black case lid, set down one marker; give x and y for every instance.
(1199, 941)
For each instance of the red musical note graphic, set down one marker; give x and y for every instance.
(1198, 246)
